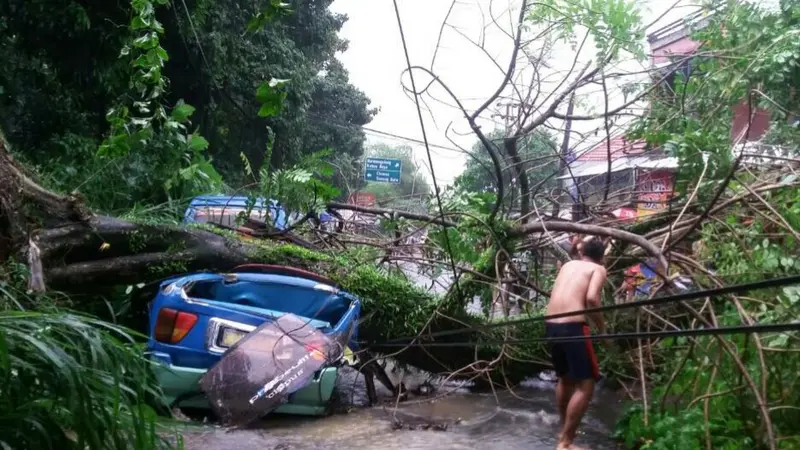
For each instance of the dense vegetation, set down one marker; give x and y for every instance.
(64, 80)
(131, 108)
(538, 154)
(139, 106)
(732, 392)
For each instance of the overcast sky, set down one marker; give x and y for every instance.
(376, 61)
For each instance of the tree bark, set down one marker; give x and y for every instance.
(510, 145)
(562, 163)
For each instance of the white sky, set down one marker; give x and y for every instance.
(376, 61)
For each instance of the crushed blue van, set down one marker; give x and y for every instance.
(196, 318)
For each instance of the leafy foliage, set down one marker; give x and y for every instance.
(613, 24)
(70, 381)
(319, 107)
(750, 54)
(303, 187)
(538, 153)
(76, 382)
(75, 82)
(134, 128)
(746, 247)
(272, 10)
(396, 308)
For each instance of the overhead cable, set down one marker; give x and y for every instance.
(734, 289)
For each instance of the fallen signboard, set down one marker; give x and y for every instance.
(366, 199)
(258, 374)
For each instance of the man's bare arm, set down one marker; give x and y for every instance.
(593, 297)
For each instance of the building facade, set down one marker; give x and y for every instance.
(641, 180)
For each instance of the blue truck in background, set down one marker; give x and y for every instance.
(224, 210)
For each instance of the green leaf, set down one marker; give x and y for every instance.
(271, 97)
(792, 293)
(146, 41)
(182, 111)
(273, 9)
(780, 341)
(248, 169)
(268, 90)
(162, 53)
(139, 23)
(198, 143)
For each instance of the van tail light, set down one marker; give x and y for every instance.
(173, 325)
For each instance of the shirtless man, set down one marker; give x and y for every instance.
(577, 287)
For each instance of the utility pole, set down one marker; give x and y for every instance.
(508, 117)
(510, 150)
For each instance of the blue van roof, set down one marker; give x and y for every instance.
(279, 221)
(225, 200)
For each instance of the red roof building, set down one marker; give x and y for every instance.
(673, 41)
(667, 45)
(639, 175)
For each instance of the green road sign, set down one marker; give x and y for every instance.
(383, 170)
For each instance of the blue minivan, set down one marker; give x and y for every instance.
(196, 318)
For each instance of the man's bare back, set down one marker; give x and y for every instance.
(577, 287)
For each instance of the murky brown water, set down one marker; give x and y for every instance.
(474, 421)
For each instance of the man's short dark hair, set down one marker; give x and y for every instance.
(594, 250)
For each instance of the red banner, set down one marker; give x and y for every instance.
(365, 199)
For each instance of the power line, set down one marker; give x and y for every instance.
(427, 147)
(327, 121)
(743, 329)
(738, 288)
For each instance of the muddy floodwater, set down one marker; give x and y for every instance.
(525, 419)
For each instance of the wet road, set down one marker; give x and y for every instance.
(474, 421)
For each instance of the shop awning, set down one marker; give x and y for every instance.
(588, 169)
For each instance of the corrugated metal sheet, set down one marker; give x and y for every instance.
(600, 167)
(620, 147)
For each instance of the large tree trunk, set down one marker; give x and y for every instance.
(73, 249)
(108, 251)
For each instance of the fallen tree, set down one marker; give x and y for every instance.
(68, 248)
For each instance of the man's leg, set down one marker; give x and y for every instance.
(576, 408)
(564, 390)
(558, 354)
